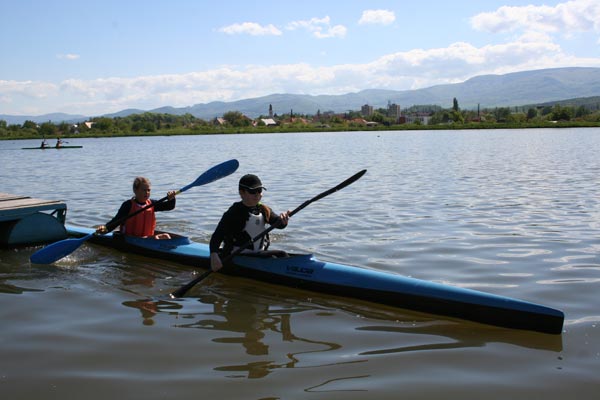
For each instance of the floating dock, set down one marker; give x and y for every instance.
(28, 221)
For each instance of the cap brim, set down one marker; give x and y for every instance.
(252, 188)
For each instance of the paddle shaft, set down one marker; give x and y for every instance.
(185, 288)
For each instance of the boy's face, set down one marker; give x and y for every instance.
(251, 199)
(142, 193)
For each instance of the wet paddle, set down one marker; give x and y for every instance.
(185, 288)
(58, 250)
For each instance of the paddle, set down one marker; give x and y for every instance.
(58, 250)
(185, 288)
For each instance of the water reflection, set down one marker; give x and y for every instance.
(261, 325)
(251, 322)
(464, 335)
(7, 288)
(16, 273)
(330, 385)
(149, 309)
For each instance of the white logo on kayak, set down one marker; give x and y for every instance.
(294, 270)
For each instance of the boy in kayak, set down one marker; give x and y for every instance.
(144, 223)
(243, 221)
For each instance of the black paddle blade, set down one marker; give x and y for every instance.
(342, 185)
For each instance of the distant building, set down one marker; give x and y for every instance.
(358, 121)
(295, 120)
(394, 111)
(269, 121)
(366, 110)
(271, 111)
(422, 117)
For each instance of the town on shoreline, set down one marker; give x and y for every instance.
(424, 117)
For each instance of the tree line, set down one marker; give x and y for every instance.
(235, 122)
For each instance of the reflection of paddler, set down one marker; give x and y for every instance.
(254, 320)
(249, 319)
(148, 309)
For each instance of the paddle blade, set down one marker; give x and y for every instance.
(217, 172)
(185, 288)
(58, 250)
(340, 186)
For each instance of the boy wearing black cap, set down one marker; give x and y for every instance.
(243, 221)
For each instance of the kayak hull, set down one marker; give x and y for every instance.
(304, 271)
(51, 147)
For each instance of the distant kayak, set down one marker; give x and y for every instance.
(51, 147)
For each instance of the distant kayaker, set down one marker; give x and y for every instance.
(44, 143)
(59, 143)
(144, 223)
(243, 221)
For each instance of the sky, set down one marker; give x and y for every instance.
(97, 57)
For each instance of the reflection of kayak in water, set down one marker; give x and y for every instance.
(51, 147)
(304, 271)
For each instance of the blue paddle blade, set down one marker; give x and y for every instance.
(58, 250)
(217, 172)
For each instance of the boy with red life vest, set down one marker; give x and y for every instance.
(243, 221)
(144, 223)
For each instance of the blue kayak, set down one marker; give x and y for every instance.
(304, 271)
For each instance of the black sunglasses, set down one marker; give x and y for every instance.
(254, 191)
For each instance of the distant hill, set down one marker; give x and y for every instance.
(590, 103)
(487, 91)
(54, 117)
(124, 113)
(515, 89)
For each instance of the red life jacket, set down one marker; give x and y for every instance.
(142, 224)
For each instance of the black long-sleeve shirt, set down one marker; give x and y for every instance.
(230, 229)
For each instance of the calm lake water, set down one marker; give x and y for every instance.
(511, 212)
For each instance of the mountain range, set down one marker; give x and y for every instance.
(485, 91)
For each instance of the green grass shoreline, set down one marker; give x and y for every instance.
(298, 129)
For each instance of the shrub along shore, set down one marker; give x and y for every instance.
(233, 122)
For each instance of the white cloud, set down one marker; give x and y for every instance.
(412, 69)
(460, 61)
(337, 31)
(67, 56)
(571, 16)
(319, 27)
(382, 17)
(29, 89)
(251, 28)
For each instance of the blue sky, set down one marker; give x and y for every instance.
(97, 57)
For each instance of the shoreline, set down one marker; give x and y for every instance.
(299, 129)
